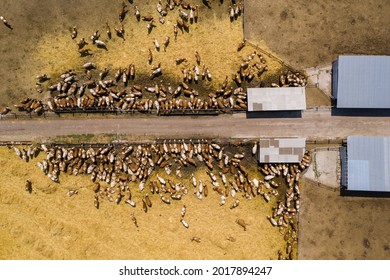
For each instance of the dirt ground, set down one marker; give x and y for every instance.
(335, 227)
(41, 43)
(338, 228)
(325, 167)
(311, 33)
(316, 98)
(47, 224)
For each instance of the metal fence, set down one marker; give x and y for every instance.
(118, 144)
(77, 111)
(325, 141)
(10, 143)
(271, 55)
(318, 108)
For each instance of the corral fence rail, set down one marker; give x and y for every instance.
(103, 112)
(336, 142)
(318, 108)
(325, 141)
(328, 149)
(16, 143)
(271, 55)
(120, 143)
(256, 46)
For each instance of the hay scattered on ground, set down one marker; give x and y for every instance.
(47, 224)
(53, 51)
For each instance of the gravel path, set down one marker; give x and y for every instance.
(312, 124)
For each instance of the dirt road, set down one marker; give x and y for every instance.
(312, 124)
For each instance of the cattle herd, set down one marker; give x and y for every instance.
(166, 171)
(94, 88)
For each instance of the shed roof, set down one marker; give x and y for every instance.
(281, 150)
(276, 99)
(368, 163)
(363, 82)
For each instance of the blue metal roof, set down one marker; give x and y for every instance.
(363, 82)
(368, 163)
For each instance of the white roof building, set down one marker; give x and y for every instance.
(276, 99)
(281, 150)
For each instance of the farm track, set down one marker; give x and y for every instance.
(311, 125)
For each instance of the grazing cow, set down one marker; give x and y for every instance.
(242, 223)
(148, 201)
(180, 60)
(137, 13)
(241, 45)
(231, 13)
(166, 43)
(184, 223)
(122, 12)
(120, 32)
(5, 111)
(191, 15)
(207, 3)
(108, 30)
(235, 204)
(150, 56)
(147, 18)
(81, 43)
(159, 7)
(103, 74)
(196, 12)
(175, 30)
(254, 149)
(132, 71)
(28, 186)
(89, 65)
(183, 15)
(134, 220)
(196, 239)
(71, 192)
(74, 32)
(85, 52)
(144, 206)
(156, 72)
(183, 211)
(197, 56)
(208, 73)
(42, 78)
(156, 44)
(180, 24)
(150, 26)
(164, 199)
(161, 20)
(95, 36)
(96, 202)
(6, 23)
